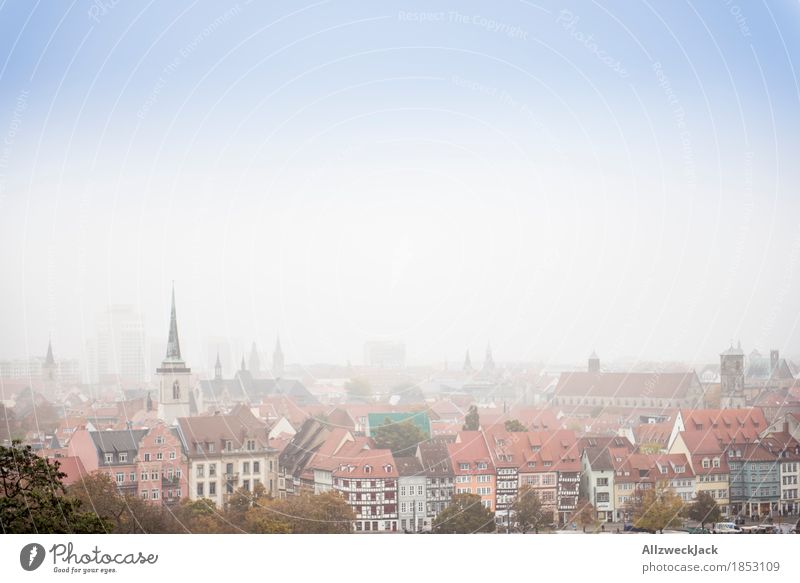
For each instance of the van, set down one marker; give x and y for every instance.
(726, 528)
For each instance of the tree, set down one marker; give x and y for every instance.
(529, 513)
(326, 513)
(358, 389)
(472, 421)
(33, 498)
(466, 514)
(660, 508)
(704, 509)
(586, 514)
(241, 501)
(402, 438)
(515, 425)
(200, 517)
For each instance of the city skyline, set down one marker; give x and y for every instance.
(553, 180)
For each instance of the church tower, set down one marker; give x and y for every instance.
(174, 376)
(49, 368)
(467, 364)
(731, 372)
(218, 369)
(488, 361)
(277, 360)
(254, 362)
(594, 362)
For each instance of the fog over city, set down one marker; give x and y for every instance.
(443, 182)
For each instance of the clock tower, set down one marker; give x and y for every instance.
(174, 377)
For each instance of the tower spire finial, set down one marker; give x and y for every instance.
(173, 344)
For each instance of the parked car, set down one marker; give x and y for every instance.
(726, 528)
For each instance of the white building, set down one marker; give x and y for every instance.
(412, 495)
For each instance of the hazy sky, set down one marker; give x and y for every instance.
(618, 175)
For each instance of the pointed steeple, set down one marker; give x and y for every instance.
(467, 363)
(218, 368)
(49, 360)
(488, 363)
(254, 364)
(173, 344)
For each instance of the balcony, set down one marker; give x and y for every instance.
(231, 477)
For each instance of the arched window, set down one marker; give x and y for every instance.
(176, 390)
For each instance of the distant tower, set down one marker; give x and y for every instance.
(254, 363)
(594, 362)
(218, 369)
(175, 377)
(467, 363)
(488, 362)
(277, 359)
(49, 368)
(731, 372)
(774, 360)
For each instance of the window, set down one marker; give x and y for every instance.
(246, 485)
(132, 477)
(172, 455)
(145, 494)
(109, 458)
(212, 470)
(147, 457)
(245, 467)
(154, 476)
(201, 471)
(120, 477)
(123, 457)
(159, 440)
(706, 463)
(402, 493)
(211, 448)
(251, 445)
(420, 507)
(270, 465)
(715, 462)
(144, 476)
(547, 464)
(403, 507)
(602, 481)
(419, 490)
(482, 465)
(367, 469)
(228, 445)
(602, 497)
(256, 467)
(463, 467)
(212, 488)
(200, 489)
(159, 456)
(155, 494)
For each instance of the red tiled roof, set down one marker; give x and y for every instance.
(634, 385)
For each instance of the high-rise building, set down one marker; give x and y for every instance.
(120, 348)
(385, 354)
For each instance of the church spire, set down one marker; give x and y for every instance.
(173, 344)
(49, 360)
(218, 368)
(467, 363)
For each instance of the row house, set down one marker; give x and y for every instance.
(412, 496)
(706, 457)
(149, 463)
(597, 472)
(341, 443)
(538, 468)
(368, 482)
(787, 451)
(632, 476)
(162, 466)
(473, 467)
(112, 453)
(434, 457)
(504, 447)
(754, 479)
(227, 452)
(675, 473)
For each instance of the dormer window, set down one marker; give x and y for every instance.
(367, 469)
(251, 445)
(211, 447)
(388, 468)
(463, 467)
(547, 464)
(109, 458)
(228, 445)
(482, 465)
(706, 463)
(663, 469)
(123, 457)
(679, 469)
(716, 462)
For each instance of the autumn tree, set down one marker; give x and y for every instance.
(200, 517)
(465, 514)
(242, 500)
(586, 514)
(515, 425)
(402, 438)
(326, 513)
(33, 498)
(704, 509)
(529, 513)
(472, 421)
(660, 508)
(358, 389)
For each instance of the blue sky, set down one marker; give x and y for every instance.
(555, 177)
